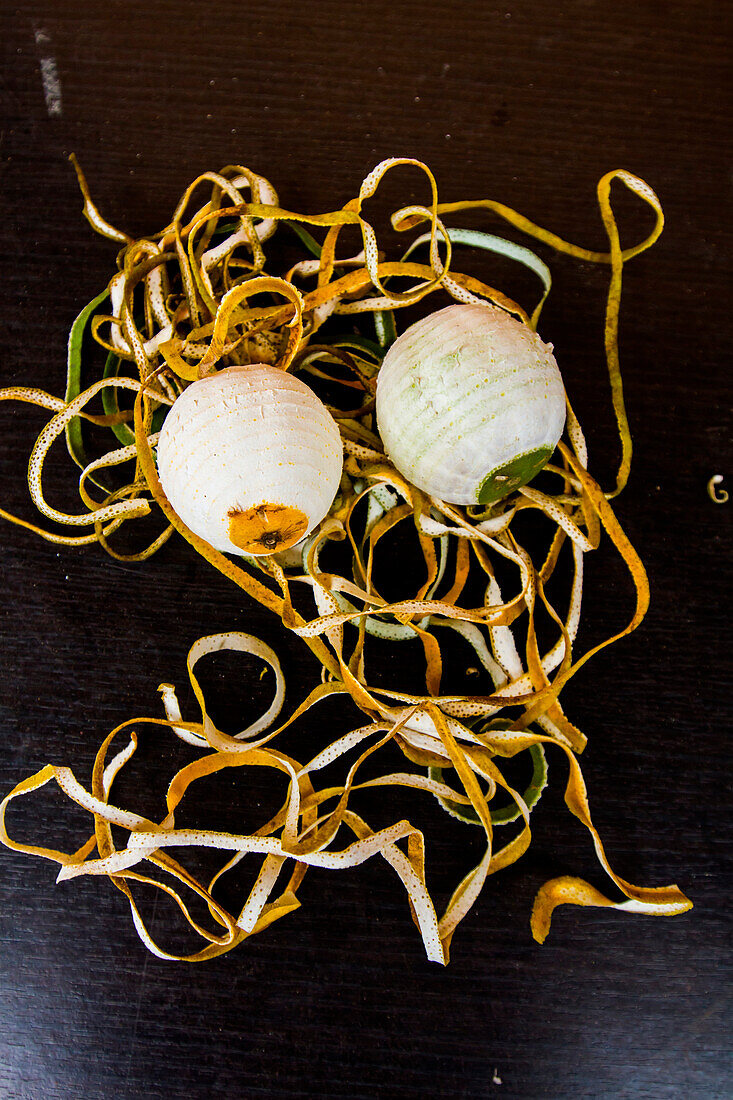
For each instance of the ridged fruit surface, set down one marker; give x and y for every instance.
(470, 403)
(250, 459)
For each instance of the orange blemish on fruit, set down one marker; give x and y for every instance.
(266, 527)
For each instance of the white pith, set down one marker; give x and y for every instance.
(462, 393)
(243, 437)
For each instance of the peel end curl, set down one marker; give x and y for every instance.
(669, 901)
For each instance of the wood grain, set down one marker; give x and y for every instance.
(529, 103)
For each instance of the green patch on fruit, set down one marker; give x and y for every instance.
(505, 479)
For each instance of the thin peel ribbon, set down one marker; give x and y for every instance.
(233, 299)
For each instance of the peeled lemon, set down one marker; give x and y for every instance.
(250, 459)
(470, 404)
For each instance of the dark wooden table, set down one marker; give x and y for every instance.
(529, 103)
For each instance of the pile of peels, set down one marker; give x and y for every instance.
(198, 297)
